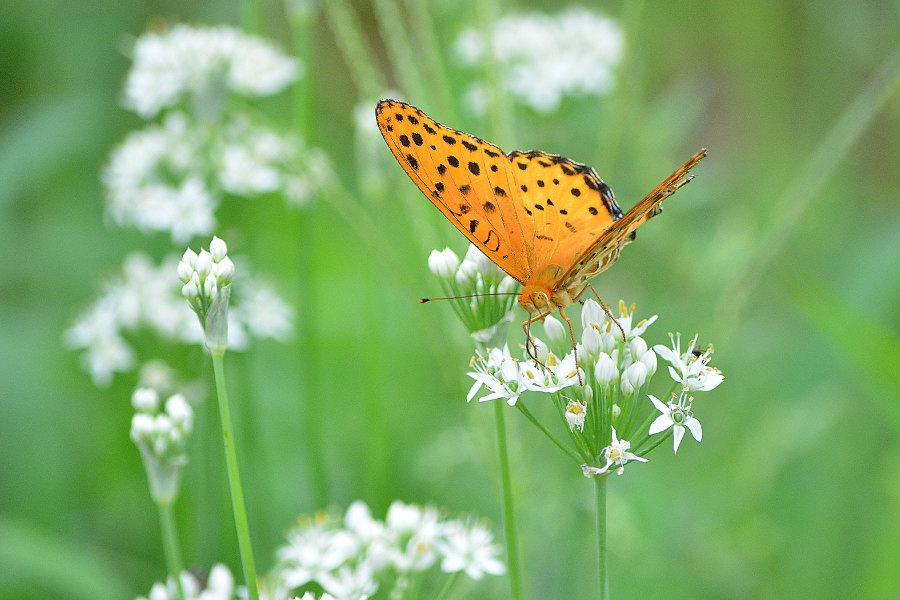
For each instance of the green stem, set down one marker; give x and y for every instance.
(546, 432)
(448, 585)
(807, 186)
(170, 545)
(234, 479)
(509, 522)
(602, 556)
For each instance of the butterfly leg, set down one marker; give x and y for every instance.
(606, 310)
(574, 345)
(529, 344)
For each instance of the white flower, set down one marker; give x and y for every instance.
(186, 60)
(312, 552)
(219, 586)
(575, 414)
(147, 295)
(413, 531)
(692, 371)
(615, 454)
(350, 584)
(543, 58)
(443, 263)
(499, 373)
(476, 262)
(470, 549)
(263, 312)
(676, 415)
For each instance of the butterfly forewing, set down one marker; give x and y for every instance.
(466, 178)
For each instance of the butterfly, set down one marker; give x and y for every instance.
(550, 223)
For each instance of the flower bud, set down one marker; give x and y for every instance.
(554, 329)
(225, 271)
(443, 263)
(633, 378)
(189, 258)
(605, 370)
(145, 400)
(204, 264)
(592, 314)
(184, 271)
(217, 249)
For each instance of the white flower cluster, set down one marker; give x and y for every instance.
(505, 377)
(543, 58)
(164, 432)
(161, 434)
(690, 369)
(171, 177)
(483, 294)
(219, 586)
(357, 558)
(148, 296)
(191, 62)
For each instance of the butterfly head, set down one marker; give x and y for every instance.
(543, 294)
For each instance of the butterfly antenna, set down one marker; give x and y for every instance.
(424, 300)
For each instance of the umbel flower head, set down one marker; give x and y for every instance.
(359, 555)
(207, 278)
(161, 433)
(218, 585)
(542, 59)
(205, 146)
(144, 298)
(483, 295)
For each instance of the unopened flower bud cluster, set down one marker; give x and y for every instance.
(494, 290)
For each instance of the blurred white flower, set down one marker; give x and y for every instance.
(350, 562)
(470, 548)
(188, 61)
(219, 586)
(147, 296)
(542, 58)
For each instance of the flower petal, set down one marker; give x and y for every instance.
(694, 426)
(661, 423)
(677, 434)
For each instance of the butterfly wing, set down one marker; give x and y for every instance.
(567, 207)
(468, 179)
(622, 231)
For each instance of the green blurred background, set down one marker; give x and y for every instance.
(785, 253)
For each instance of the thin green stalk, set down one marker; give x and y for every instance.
(444, 592)
(234, 479)
(602, 555)
(404, 58)
(809, 182)
(424, 31)
(171, 547)
(351, 40)
(509, 521)
(546, 432)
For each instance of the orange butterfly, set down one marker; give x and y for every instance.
(550, 223)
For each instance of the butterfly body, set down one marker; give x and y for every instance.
(548, 222)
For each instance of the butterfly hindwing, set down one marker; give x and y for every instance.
(568, 206)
